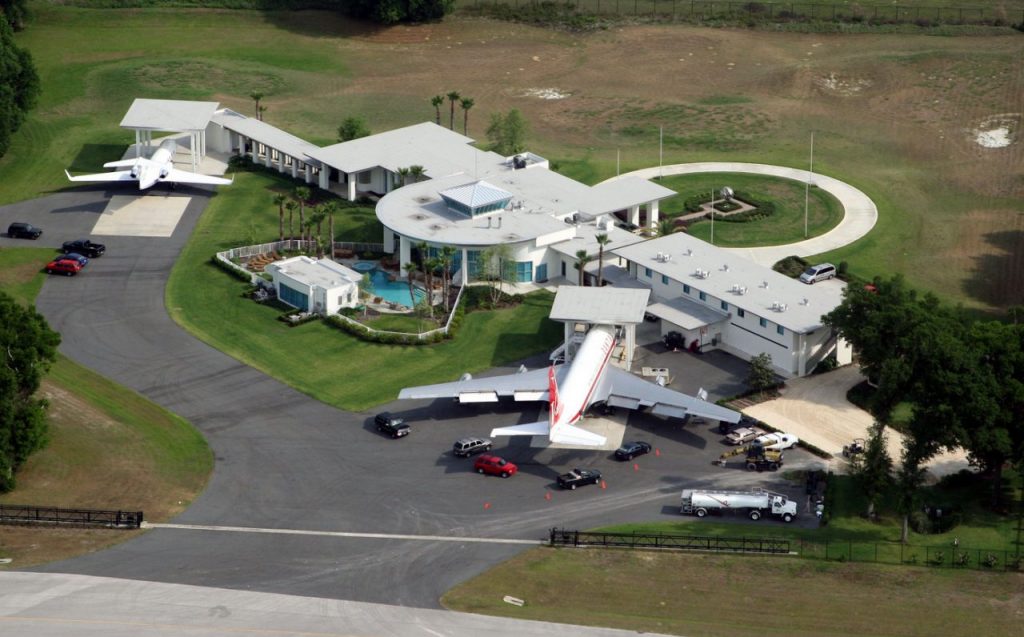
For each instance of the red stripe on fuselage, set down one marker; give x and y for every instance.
(590, 392)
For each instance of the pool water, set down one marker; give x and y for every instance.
(393, 291)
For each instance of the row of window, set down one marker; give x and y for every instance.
(740, 312)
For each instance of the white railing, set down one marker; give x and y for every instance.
(422, 335)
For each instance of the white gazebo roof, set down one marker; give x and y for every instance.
(600, 306)
(169, 115)
(476, 194)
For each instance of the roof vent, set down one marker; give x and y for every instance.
(419, 216)
(725, 268)
(779, 307)
(764, 284)
(701, 274)
(743, 289)
(689, 252)
(806, 301)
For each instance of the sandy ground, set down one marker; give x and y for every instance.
(815, 409)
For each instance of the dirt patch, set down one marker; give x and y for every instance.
(844, 86)
(996, 131)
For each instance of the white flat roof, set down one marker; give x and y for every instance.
(620, 194)
(265, 134)
(685, 313)
(168, 115)
(602, 306)
(586, 239)
(440, 151)
(323, 273)
(804, 304)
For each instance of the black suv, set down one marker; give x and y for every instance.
(465, 447)
(394, 427)
(21, 230)
(84, 246)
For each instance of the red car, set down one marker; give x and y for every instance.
(63, 266)
(495, 466)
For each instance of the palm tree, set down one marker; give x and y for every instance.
(309, 233)
(436, 102)
(466, 103)
(453, 96)
(317, 218)
(279, 201)
(290, 206)
(256, 97)
(582, 258)
(404, 174)
(410, 271)
(666, 226)
(602, 241)
(331, 207)
(416, 172)
(447, 253)
(431, 265)
(301, 195)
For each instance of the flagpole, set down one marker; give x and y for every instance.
(712, 217)
(807, 186)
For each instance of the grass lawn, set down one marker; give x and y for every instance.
(315, 358)
(711, 595)
(786, 225)
(110, 448)
(402, 323)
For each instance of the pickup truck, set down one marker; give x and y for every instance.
(579, 477)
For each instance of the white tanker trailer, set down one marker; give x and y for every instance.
(753, 503)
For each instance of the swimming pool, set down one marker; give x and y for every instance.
(393, 291)
(364, 266)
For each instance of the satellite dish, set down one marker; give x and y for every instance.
(726, 193)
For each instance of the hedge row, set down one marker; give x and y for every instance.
(239, 273)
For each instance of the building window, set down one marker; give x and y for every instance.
(686, 289)
(524, 271)
(293, 297)
(703, 297)
(647, 272)
(763, 321)
(725, 306)
(664, 279)
(365, 177)
(740, 312)
(780, 329)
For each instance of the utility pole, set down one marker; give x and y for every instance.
(807, 186)
(712, 217)
(661, 149)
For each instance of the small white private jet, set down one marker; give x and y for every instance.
(149, 172)
(571, 389)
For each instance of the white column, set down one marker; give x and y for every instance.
(254, 149)
(352, 186)
(325, 177)
(652, 214)
(634, 215)
(192, 150)
(389, 240)
(295, 167)
(268, 154)
(404, 252)
(465, 266)
(309, 174)
(138, 140)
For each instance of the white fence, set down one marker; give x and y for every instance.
(422, 335)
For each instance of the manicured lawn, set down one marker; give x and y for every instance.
(314, 357)
(786, 225)
(401, 323)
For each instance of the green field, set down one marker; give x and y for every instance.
(786, 225)
(110, 448)
(315, 358)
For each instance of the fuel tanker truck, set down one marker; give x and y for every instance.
(754, 503)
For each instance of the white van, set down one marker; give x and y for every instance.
(820, 272)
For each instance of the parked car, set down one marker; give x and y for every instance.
(579, 477)
(743, 435)
(630, 450)
(73, 256)
(495, 466)
(66, 267)
(465, 447)
(394, 427)
(777, 440)
(22, 230)
(84, 246)
(820, 272)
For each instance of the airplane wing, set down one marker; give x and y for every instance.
(622, 389)
(117, 175)
(123, 163)
(530, 385)
(186, 177)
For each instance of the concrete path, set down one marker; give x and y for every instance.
(860, 216)
(54, 605)
(815, 409)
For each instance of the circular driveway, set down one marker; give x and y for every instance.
(860, 213)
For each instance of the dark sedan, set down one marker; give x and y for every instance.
(630, 450)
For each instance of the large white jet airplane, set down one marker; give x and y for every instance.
(148, 172)
(571, 389)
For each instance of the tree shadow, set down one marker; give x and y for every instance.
(324, 23)
(91, 157)
(998, 276)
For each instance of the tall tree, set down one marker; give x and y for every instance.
(301, 195)
(395, 11)
(507, 132)
(416, 172)
(331, 207)
(403, 173)
(19, 85)
(279, 200)
(437, 101)
(873, 470)
(495, 263)
(582, 258)
(761, 375)
(28, 347)
(453, 96)
(352, 127)
(257, 96)
(15, 12)
(447, 255)
(290, 206)
(466, 103)
(410, 273)
(602, 240)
